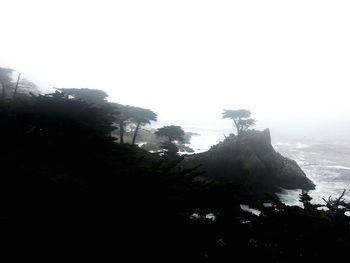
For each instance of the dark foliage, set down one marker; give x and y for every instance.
(94, 96)
(66, 183)
(173, 135)
(241, 119)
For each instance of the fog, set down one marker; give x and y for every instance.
(287, 62)
(146, 121)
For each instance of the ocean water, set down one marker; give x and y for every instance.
(325, 160)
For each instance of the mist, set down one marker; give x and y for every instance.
(200, 131)
(283, 61)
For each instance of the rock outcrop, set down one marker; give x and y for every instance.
(250, 158)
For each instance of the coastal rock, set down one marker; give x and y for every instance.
(251, 159)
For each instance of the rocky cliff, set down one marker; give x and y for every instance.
(250, 159)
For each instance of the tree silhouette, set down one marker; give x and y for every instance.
(141, 117)
(123, 118)
(306, 199)
(337, 206)
(129, 114)
(241, 119)
(56, 111)
(172, 133)
(94, 96)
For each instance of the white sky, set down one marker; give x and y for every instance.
(187, 60)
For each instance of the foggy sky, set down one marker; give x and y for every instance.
(188, 60)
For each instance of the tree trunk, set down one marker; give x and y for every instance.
(16, 88)
(135, 133)
(237, 127)
(121, 132)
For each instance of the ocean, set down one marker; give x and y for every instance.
(324, 159)
(325, 162)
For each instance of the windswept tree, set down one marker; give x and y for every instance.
(141, 117)
(130, 115)
(241, 119)
(123, 118)
(172, 134)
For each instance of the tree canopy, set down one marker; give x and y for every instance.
(241, 119)
(56, 113)
(172, 133)
(123, 118)
(94, 96)
(132, 115)
(140, 117)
